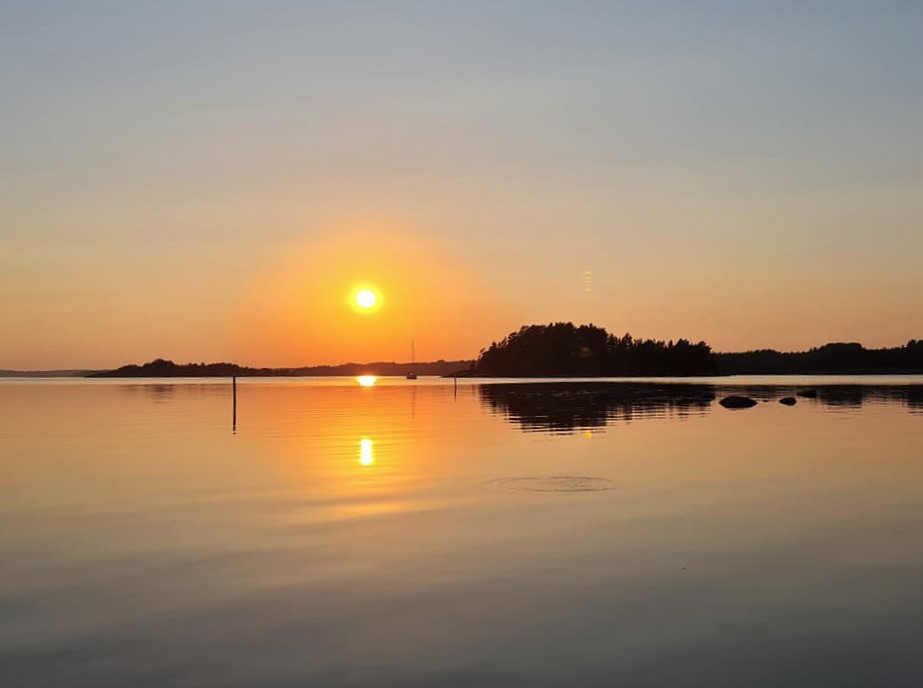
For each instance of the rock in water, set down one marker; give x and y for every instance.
(733, 402)
(788, 401)
(808, 393)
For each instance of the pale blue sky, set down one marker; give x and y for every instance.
(744, 172)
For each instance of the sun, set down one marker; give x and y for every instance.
(366, 298)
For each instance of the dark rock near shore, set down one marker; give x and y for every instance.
(734, 402)
(788, 401)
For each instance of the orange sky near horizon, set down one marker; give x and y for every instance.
(294, 307)
(302, 308)
(288, 305)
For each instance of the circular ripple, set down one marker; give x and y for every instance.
(554, 483)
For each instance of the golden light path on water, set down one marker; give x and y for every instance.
(366, 458)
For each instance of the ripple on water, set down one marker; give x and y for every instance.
(553, 483)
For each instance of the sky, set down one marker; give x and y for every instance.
(210, 180)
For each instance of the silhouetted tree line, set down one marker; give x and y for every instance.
(829, 358)
(563, 348)
(164, 368)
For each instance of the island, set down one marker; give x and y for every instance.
(563, 349)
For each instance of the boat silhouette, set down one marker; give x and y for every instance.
(412, 373)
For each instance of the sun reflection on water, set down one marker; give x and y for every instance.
(365, 452)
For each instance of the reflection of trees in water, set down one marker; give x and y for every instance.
(857, 395)
(853, 396)
(164, 392)
(843, 396)
(564, 407)
(915, 397)
(159, 393)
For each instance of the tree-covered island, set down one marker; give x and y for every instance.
(568, 350)
(565, 349)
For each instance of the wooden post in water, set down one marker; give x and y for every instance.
(234, 403)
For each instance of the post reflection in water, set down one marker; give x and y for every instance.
(366, 458)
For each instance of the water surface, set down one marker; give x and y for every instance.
(415, 534)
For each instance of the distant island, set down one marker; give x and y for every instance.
(164, 368)
(563, 349)
(48, 373)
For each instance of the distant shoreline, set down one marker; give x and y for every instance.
(562, 351)
(82, 375)
(161, 368)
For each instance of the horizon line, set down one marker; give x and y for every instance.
(76, 369)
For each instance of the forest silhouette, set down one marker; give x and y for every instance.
(565, 349)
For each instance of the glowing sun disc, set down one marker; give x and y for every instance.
(366, 298)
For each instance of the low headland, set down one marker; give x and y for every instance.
(566, 350)
(165, 368)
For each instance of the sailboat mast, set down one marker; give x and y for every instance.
(412, 374)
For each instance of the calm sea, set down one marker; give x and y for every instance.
(417, 534)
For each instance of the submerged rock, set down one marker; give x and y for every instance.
(807, 393)
(733, 402)
(788, 401)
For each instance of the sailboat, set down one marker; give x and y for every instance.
(412, 374)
